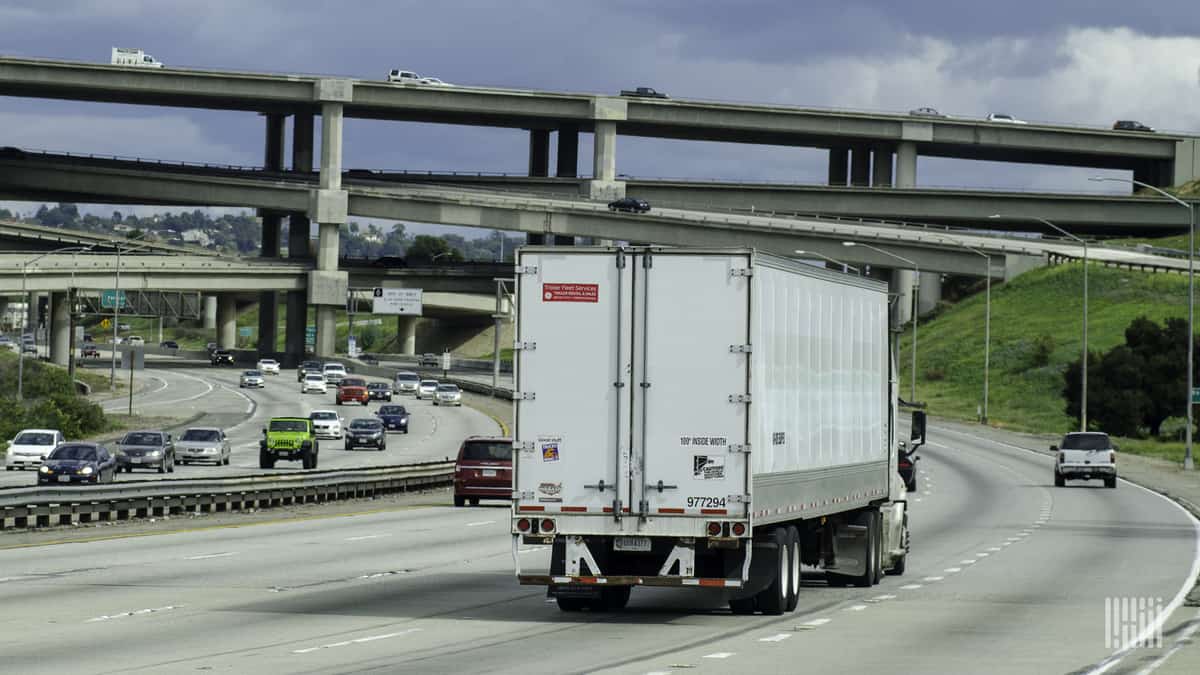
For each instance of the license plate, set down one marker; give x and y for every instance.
(489, 473)
(64, 479)
(631, 544)
(137, 460)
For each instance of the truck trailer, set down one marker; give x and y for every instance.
(703, 418)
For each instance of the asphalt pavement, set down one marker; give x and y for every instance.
(1007, 575)
(210, 396)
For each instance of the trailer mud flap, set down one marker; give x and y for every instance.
(759, 569)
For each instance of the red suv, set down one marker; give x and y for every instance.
(352, 390)
(483, 470)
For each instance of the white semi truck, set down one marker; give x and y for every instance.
(703, 418)
(126, 56)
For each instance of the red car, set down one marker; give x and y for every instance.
(483, 470)
(352, 390)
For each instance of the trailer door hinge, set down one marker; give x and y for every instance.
(741, 272)
(526, 269)
(739, 398)
(660, 487)
(524, 396)
(739, 349)
(525, 446)
(740, 447)
(738, 499)
(526, 346)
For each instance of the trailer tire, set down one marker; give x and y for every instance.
(612, 599)
(571, 604)
(870, 576)
(793, 597)
(772, 600)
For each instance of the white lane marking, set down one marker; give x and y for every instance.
(357, 641)
(952, 570)
(211, 555)
(856, 608)
(993, 549)
(1185, 639)
(367, 536)
(193, 397)
(881, 598)
(779, 637)
(718, 655)
(1008, 543)
(480, 522)
(933, 578)
(910, 587)
(527, 550)
(659, 672)
(927, 493)
(966, 562)
(917, 499)
(136, 612)
(982, 555)
(21, 578)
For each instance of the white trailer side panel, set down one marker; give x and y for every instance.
(820, 391)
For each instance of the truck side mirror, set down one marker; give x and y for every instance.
(918, 427)
(1054, 448)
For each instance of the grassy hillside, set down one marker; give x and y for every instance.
(1038, 313)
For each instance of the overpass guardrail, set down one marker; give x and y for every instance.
(48, 506)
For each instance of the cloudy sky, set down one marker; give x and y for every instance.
(1072, 61)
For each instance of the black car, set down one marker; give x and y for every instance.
(379, 391)
(630, 205)
(169, 344)
(307, 367)
(222, 356)
(9, 152)
(366, 432)
(1131, 125)
(394, 418)
(78, 463)
(644, 92)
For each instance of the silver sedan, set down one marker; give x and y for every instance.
(203, 444)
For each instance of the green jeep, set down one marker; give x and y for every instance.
(288, 438)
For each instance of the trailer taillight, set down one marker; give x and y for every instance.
(739, 529)
(523, 525)
(547, 525)
(714, 529)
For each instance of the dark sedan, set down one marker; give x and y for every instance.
(366, 432)
(306, 368)
(394, 418)
(78, 463)
(630, 205)
(379, 391)
(222, 356)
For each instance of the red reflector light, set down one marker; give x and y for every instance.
(523, 524)
(547, 525)
(739, 529)
(714, 529)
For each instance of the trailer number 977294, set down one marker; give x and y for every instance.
(706, 502)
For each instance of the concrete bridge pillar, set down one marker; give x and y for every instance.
(210, 312)
(881, 166)
(568, 152)
(535, 238)
(31, 317)
(930, 293)
(299, 228)
(906, 164)
(272, 223)
(539, 152)
(406, 334)
(604, 152)
(226, 321)
(901, 284)
(328, 287)
(839, 165)
(60, 329)
(860, 166)
(606, 112)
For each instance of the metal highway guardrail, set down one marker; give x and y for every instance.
(47, 506)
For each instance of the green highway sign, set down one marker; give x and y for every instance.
(108, 299)
(1195, 395)
(245, 331)
(310, 335)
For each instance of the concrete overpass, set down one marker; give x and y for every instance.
(17, 236)
(865, 148)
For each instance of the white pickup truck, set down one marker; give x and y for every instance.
(124, 56)
(1083, 456)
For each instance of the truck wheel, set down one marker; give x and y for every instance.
(460, 501)
(571, 604)
(1059, 481)
(912, 485)
(772, 600)
(793, 567)
(611, 599)
(1110, 482)
(266, 460)
(305, 459)
(871, 575)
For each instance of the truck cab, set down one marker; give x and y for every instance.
(1085, 456)
(124, 56)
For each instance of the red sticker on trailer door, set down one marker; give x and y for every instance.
(571, 292)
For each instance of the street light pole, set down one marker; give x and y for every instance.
(25, 323)
(1083, 395)
(916, 287)
(1188, 462)
(987, 324)
(845, 268)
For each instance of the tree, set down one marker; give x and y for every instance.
(426, 249)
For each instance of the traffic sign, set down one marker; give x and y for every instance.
(105, 323)
(109, 299)
(1195, 395)
(310, 335)
(245, 331)
(403, 301)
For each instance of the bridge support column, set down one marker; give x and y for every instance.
(210, 312)
(906, 164)
(839, 165)
(539, 152)
(299, 233)
(901, 284)
(860, 166)
(226, 321)
(406, 334)
(328, 206)
(929, 293)
(568, 152)
(31, 317)
(60, 329)
(881, 166)
(606, 111)
(272, 224)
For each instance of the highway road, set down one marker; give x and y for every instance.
(1007, 575)
(181, 389)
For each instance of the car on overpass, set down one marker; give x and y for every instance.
(169, 344)
(30, 447)
(643, 92)
(1132, 125)
(222, 357)
(483, 470)
(314, 383)
(203, 444)
(146, 449)
(430, 360)
(1004, 118)
(926, 112)
(630, 205)
(78, 463)
(136, 341)
(89, 351)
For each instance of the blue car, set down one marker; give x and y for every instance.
(394, 418)
(78, 463)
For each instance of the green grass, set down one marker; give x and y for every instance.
(1179, 241)
(1044, 302)
(505, 355)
